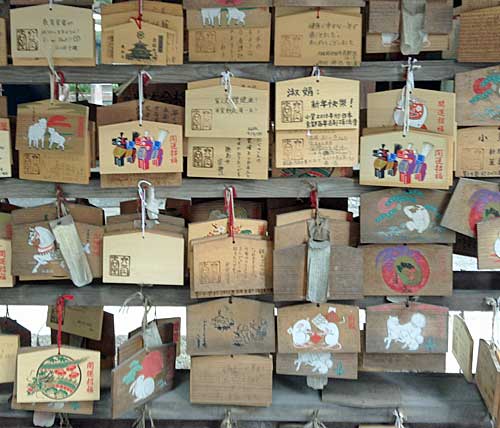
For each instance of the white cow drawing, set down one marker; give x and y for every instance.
(236, 14)
(319, 362)
(409, 334)
(209, 14)
(36, 134)
(419, 218)
(56, 138)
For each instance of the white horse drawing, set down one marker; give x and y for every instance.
(44, 241)
(319, 362)
(209, 14)
(409, 335)
(36, 134)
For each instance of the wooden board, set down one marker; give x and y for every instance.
(218, 227)
(476, 152)
(209, 113)
(113, 181)
(378, 168)
(9, 344)
(472, 201)
(335, 366)
(416, 328)
(219, 379)
(476, 97)
(290, 273)
(3, 42)
(463, 347)
(83, 321)
(81, 214)
(488, 244)
(376, 43)
(318, 328)
(211, 210)
(41, 378)
(488, 377)
(301, 215)
(59, 32)
(407, 270)
(157, 148)
(197, 4)
(70, 408)
(479, 36)
(312, 149)
(433, 111)
(310, 103)
(230, 326)
(224, 268)
(404, 216)
(299, 39)
(395, 363)
(158, 258)
(341, 233)
(6, 277)
(243, 158)
(141, 378)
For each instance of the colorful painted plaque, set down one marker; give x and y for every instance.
(404, 216)
(407, 270)
(230, 326)
(335, 366)
(419, 160)
(45, 375)
(412, 328)
(472, 202)
(318, 328)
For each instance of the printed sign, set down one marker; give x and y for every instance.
(325, 39)
(310, 103)
(318, 328)
(141, 378)
(132, 148)
(59, 32)
(222, 267)
(472, 202)
(44, 375)
(407, 270)
(230, 326)
(219, 378)
(404, 216)
(210, 113)
(432, 111)
(397, 328)
(419, 160)
(477, 152)
(335, 366)
(477, 97)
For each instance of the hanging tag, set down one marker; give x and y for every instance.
(70, 245)
(315, 422)
(228, 421)
(43, 419)
(317, 382)
(151, 336)
(318, 260)
(495, 322)
(400, 419)
(413, 21)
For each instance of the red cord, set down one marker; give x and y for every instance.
(317, 12)
(138, 18)
(60, 312)
(314, 199)
(60, 80)
(229, 195)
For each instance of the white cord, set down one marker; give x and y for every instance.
(228, 88)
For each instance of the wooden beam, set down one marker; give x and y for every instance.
(369, 70)
(335, 187)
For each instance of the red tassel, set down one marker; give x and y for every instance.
(60, 312)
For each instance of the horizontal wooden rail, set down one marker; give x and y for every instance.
(381, 71)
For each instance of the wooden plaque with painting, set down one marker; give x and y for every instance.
(318, 328)
(488, 244)
(463, 347)
(472, 202)
(407, 270)
(477, 152)
(230, 326)
(405, 329)
(404, 216)
(334, 366)
(222, 267)
(419, 160)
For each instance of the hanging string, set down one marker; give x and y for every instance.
(400, 419)
(146, 303)
(60, 302)
(408, 92)
(316, 72)
(138, 18)
(141, 189)
(228, 421)
(229, 195)
(315, 422)
(7, 314)
(60, 202)
(143, 79)
(51, 4)
(228, 88)
(495, 306)
(314, 199)
(317, 12)
(64, 421)
(144, 415)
